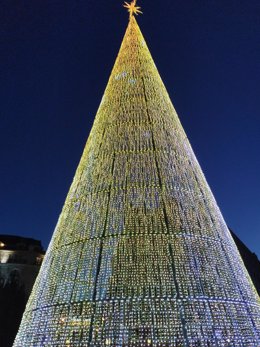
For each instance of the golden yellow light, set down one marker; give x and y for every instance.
(132, 8)
(2, 244)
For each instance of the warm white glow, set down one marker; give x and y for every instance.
(108, 342)
(5, 255)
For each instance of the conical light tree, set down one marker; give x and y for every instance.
(141, 255)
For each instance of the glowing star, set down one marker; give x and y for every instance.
(132, 8)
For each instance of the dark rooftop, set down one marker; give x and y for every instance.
(12, 242)
(250, 260)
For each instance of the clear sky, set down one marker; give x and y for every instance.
(56, 57)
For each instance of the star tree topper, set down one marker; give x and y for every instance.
(132, 8)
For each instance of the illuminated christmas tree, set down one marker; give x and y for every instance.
(141, 255)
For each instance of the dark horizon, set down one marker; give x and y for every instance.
(56, 60)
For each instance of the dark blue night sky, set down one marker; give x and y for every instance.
(56, 57)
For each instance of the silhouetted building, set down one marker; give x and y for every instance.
(20, 260)
(250, 260)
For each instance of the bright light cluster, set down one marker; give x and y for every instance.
(141, 255)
